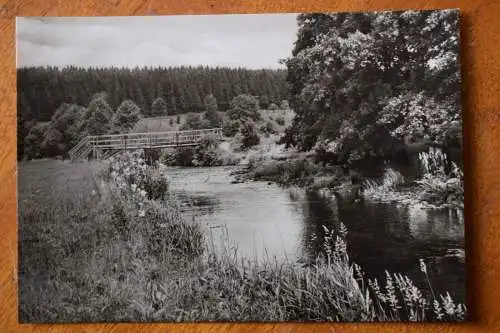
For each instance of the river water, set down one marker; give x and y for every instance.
(261, 219)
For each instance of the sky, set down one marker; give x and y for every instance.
(252, 40)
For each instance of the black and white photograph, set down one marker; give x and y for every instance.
(241, 168)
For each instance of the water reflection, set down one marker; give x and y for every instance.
(264, 220)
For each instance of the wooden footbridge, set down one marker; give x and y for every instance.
(103, 146)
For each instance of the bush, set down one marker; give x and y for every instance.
(268, 128)
(280, 120)
(130, 170)
(182, 156)
(442, 181)
(206, 153)
(152, 155)
(299, 171)
(244, 107)
(230, 128)
(391, 182)
(250, 136)
(284, 105)
(155, 184)
(273, 107)
(195, 121)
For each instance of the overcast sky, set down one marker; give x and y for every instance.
(252, 41)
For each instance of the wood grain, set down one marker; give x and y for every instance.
(480, 28)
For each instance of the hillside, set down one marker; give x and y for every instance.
(170, 123)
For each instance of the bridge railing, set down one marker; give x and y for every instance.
(141, 140)
(152, 139)
(80, 149)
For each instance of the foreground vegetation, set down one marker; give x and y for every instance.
(122, 251)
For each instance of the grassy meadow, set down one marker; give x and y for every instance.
(170, 123)
(94, 247)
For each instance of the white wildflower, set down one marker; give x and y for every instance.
(423, 267)
(142, 213)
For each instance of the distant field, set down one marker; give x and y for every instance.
(162, 124)
(273, 115)
(48, 181)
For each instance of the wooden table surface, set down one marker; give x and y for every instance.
(480, 29)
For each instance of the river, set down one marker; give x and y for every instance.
(261, 219)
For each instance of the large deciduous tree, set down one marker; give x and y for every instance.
(127, 115)
(363, 84)
(97, 119)
(244, 106)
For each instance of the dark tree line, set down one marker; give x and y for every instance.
(43, 89)
(366, 85)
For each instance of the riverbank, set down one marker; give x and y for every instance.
(104, 250)
(434, 189)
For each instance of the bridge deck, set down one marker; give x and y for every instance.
(142, 140)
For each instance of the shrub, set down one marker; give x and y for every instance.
(244, 107)
(206, 153)
(230, 128)
(391, 181)
(284, 105)
(195, 121)
(182, 156)
(280, 120)
(273, 107)
(268, 128)
(250, 136)
(298, 171)
(130, 170)
(386, 189)
(155, 184)
(152, 155)
(442, 181)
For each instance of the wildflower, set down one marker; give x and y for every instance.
(142, 213)
(134, 187)
(437, 310)
(423, 267)
(343, 230)
(142, 193)
(357, 271)
(391, 292)
(376, 289)
(448, 304)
